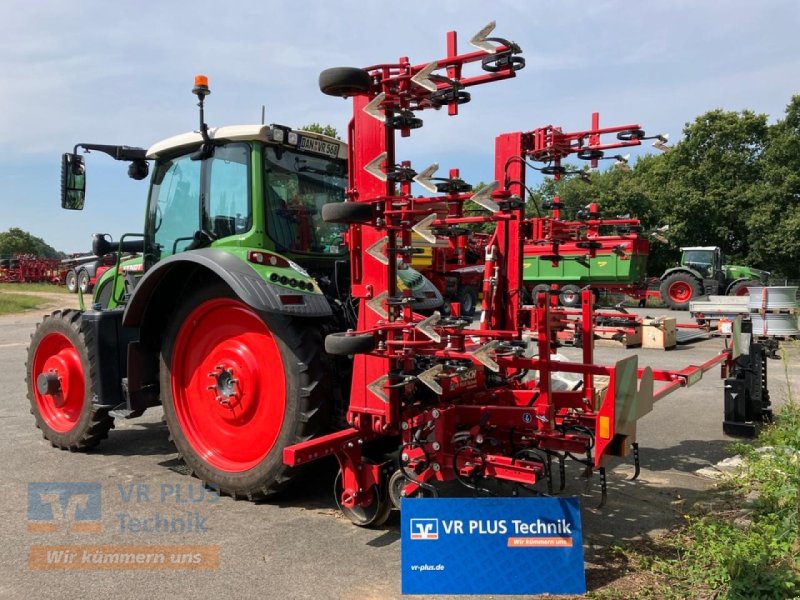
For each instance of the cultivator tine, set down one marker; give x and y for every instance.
(636, 463)
(482, 197)
(374, 166)
(549, 468)
(423, 228)
(424, 178)
(376, 251)
(482, 356)
(373, 109)
(377, 388)
(377, 303)
(603, 488)
(422, 78)
(562, 472)
(479, 39)
(429, 378)
(426, 327)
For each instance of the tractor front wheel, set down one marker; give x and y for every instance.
(238, 387)
(678, 289)
(60, 390)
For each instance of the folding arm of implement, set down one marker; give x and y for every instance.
(466, 404)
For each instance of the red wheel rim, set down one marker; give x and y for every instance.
(228, 385)
(680, 291)
(57, 354)
(743, 291)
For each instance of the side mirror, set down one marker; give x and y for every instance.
(73, 181)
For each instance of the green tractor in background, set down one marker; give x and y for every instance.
(701, 272)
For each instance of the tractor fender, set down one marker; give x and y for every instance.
(692, 272)
(160, 286)
(731, 285)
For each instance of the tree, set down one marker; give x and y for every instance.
(774, 222)
(17, 241)
(328, 130)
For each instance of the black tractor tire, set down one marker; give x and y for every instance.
(84, 281)
(680, 288)
(73, 421)
(468, 299)
(347, 212)
(740, 287)
(341, 344)
(344, 82)
(71, 281)
(306, 374)
(4, 262)
(570, 296)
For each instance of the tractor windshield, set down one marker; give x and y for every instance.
(296, 188)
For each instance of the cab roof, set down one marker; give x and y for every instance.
(263, 133)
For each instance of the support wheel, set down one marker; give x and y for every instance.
(570, 296)
(238, 387)
(71, 281)
(61, 387)
(468, 299)
(678, 289)
(344, 82)
(373, 515)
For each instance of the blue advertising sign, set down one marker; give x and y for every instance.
(492, 546)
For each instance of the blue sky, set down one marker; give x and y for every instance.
(121, 73)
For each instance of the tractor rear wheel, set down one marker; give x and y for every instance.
(238, 387)
(678, 289)
(60, 387)
(71, 281)
(740, 288)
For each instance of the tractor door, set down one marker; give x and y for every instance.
(196, 202)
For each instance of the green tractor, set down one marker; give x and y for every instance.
(701, 271)
(222, 314)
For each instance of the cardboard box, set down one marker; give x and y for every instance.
(659, 333)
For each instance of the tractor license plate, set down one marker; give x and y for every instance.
(318, 146)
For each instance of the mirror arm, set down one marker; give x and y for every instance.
(115, 152)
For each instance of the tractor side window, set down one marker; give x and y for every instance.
(174, 199)
(228, 201)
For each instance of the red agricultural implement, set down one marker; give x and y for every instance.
(24, 268)
(468, 404)
(233, 277)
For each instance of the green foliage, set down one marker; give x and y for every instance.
(17, 241)
(732, 182)
(750, 550)
(328, 130)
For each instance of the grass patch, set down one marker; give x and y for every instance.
(33, 287)
(14, 303)
(745, 544)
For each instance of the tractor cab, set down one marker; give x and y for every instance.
(258, 186)
(706, 261)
